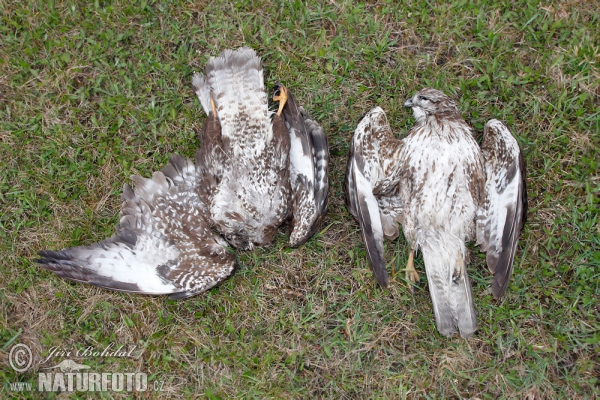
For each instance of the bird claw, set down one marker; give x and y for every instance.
(412, 277)
(411, 273)
(213, 104)
(280, 95)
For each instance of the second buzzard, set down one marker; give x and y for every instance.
(444, 190)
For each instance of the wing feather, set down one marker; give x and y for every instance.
(163, 243)
(370, 221)
(309, 165)
(501, 218)
(363, 173)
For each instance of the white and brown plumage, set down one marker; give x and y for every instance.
(309, 161)
(245, 183)
(267, 172)
(163, 243)
(444, 190)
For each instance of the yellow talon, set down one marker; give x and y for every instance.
(281, 98)
(411, 273)
(213, 105)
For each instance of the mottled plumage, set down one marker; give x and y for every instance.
(163, 243)
(245, 184)
(444, 190)
(309, 162)
(269, 170)
(251, 197)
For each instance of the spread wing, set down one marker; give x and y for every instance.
(309, 164)
(371, 167)
(503, 213)
(163, 243)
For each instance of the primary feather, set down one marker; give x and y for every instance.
(504, 209)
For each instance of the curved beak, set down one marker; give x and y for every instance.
(408, 103)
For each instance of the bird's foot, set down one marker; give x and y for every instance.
(458, 268)
(212, 104)
(411, 273)
(280, 95)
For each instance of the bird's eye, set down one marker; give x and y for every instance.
(423, 98)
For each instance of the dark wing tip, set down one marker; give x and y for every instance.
(504, 262)
(381, 276)
(372, 237)
(66, 266)
(498, 289)
(503, 273)
(374, 254)
(525, 206)
(181, 295)
(53, 257)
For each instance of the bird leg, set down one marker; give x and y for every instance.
(212, 104)
(458, 268)
(411, 273)
(280, 96)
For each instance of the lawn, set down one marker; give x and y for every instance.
(94, 92)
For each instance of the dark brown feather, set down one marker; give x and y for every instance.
(309, 200)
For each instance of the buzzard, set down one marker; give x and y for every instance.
(444, 190)
(251, 174)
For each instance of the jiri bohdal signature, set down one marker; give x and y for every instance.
(111, 350)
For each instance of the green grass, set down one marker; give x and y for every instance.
(93, 92)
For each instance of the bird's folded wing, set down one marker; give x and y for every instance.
(504, 209)
(362, 173)
(163, 243)
(309, 164)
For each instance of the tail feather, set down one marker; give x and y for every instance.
(449, 287)
(236, 79)
(202, 90)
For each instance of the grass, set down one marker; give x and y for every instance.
(93, 92)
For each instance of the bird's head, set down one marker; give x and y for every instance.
(246, 234)
(240, 242)
(430, 102)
